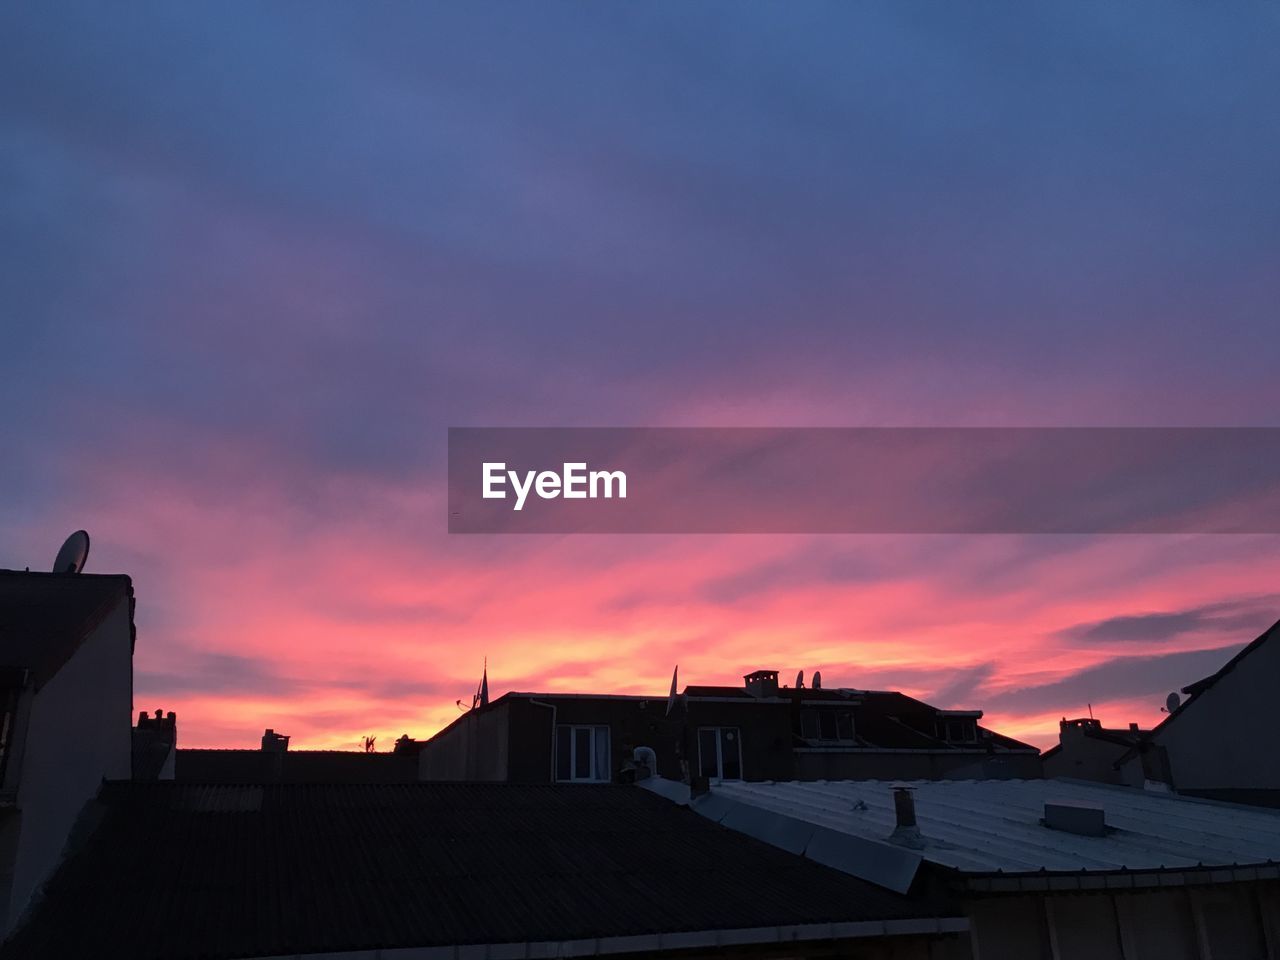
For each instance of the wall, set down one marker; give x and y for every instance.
(474, 748)
(79, 732)
(631, 723)
(1235, 920)
(1086, 758)
(1225, 737)
(766, 729)
(512, 739)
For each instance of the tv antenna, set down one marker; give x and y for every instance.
(1172, 702)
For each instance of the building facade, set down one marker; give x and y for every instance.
(66, 664)
(1219, 742)
(1086, 750)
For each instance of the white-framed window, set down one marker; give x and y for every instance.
(720, 753)
(582, 753)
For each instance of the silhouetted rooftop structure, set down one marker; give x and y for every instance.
(886, 719)
(183, 871)
(154, 743)
(44, 617)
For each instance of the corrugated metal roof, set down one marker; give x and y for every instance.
(995, 825)
(184, 871)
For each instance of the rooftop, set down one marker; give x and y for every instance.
(984, 826)
(293, 766)
(886, 719)
(186, 871)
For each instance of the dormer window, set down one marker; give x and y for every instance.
(957, 726)
(826, 725)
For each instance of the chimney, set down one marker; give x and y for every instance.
(273, 742)
(762, 683)
(905, 831)
(154, 745)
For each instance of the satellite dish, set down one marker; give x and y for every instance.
(800, 680)
(74, 552)
(817, 679)
(1172, 702)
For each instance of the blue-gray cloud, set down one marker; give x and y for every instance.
(1249, 615)
(1116, 679)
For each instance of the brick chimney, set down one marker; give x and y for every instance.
(762, 683)
(154, 746)
(273, 742)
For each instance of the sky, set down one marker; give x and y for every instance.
(258, 258)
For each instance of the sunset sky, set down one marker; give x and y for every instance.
(258, 258)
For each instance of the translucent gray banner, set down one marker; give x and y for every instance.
(864, 480)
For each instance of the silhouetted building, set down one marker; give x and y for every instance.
(173, 871)
(1220, 742)
(155, 745)
(1087, 750)
(758, 731)
(1044, 869)
(66, 688)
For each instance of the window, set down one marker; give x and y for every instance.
(835, 726)
(960, 730)
(582, 753)
(720, 753)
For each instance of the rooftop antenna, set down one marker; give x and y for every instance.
(817, 679)
(74, 552)
(1172, 702)
(800, 680)
(1090, 711)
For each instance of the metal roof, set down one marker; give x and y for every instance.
(984, 826)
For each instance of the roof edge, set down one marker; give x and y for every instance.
(660, 942)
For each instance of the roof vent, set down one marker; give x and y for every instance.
(1085, 821)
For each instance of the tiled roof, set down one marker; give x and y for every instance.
(294, 766)
(45, 616)
(184, 871)
(995, 825)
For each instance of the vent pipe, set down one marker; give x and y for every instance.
(905, 831)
